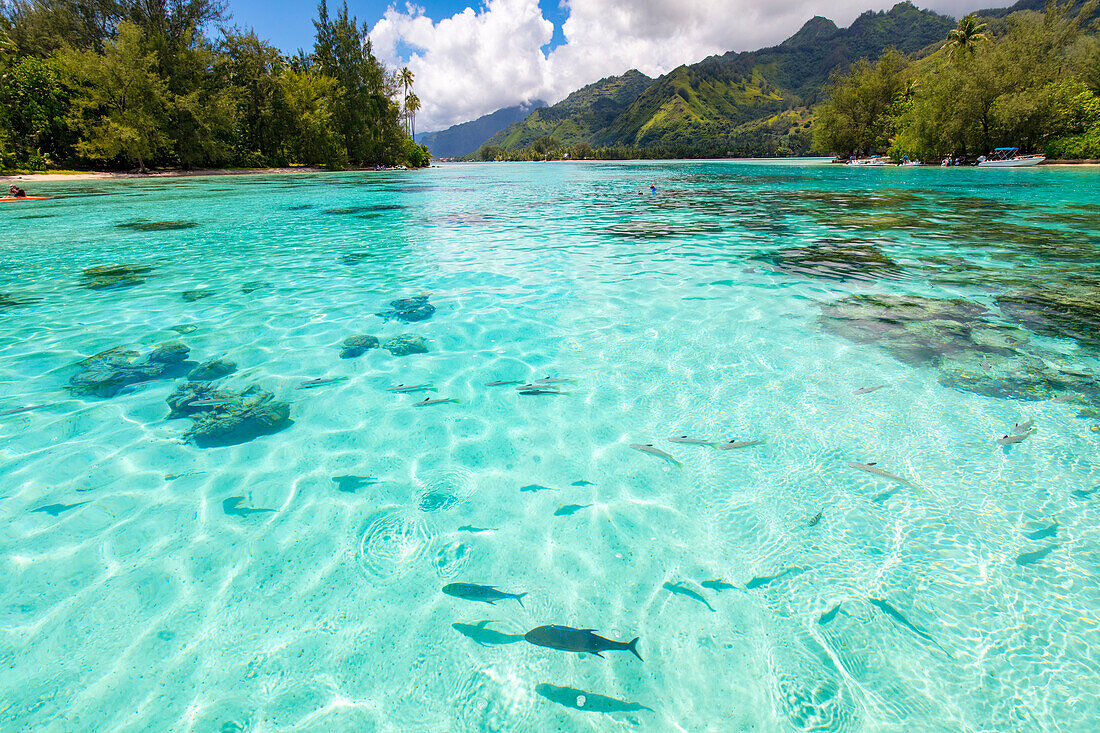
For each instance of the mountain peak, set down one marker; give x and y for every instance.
(815, 30)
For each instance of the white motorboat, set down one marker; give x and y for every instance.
(1010, 158)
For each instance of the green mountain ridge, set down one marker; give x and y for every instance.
(751, 102)
(580, 117)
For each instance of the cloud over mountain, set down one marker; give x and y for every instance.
(499, 54)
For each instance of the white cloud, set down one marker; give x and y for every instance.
(477, 61)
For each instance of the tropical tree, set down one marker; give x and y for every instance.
(405, 78)
(965, 38)
(858, 115)
(120, 101)
(412, 106)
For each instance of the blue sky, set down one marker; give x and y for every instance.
(289, 25)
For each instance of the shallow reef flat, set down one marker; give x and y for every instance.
(779, 447)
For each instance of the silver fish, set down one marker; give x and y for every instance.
(654, 451)
(1021, 428)
(740, 444)
(18, 410)
(986, 365)
(321, 382)
(873, 468)
(504, 382)
(690, 441)
(408, 389)
(869, 390)
(429, 401)
(1012, 439)
(552, 380)
(542, 392)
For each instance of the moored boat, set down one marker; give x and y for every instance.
(1010, 158)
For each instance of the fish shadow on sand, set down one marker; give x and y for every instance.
(481, 634)
(232, 507)
(588, 702)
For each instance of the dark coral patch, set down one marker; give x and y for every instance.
(111, 277)
(157, 226)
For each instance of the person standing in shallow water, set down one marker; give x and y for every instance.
(16, 192)
(652, 190)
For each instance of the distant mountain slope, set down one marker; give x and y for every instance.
(702, 103)
(467, 137)
(580, 117)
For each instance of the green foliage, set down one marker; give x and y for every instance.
(136, 82)
(966, 37)
(34, 104)
(119, 101)
(858, 115)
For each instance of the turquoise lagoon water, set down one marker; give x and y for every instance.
(742, 302)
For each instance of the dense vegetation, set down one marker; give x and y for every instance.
(1031, 79)
(140, 83)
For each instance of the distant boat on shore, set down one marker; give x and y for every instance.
(1009, 158)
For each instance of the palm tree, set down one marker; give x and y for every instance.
(405, 77)
(412, 106)
(965, 38)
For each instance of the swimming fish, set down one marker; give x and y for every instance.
(869, 390)
(1029, 558)
(873, 468)
(471, 528)
(733, 444)
(680, 590)
(1062, 399)
(350, 484)
(55, 509)
(895, 614)
(1021, 428)
(986, 365)
(1083, 494)
(320, 382)
(552, 380)
(653, 451)
(481, 593)
(502, 383)
(174, 476)
(429, 401)
(410, 388)
(210, 403)
(1012, 439)
(534, 488)
(568, 639)
(582, 482)
(814, 520)
(485, 636)
(569, 509)
(18, 410)
(588, 702)
(690, 441)
(761, 580)
(542, 392)
(1044, 533)
(718, 585)
(232, 506)
(829, 615)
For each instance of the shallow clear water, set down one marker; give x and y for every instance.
(741, 302)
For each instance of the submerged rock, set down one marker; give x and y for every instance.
(104, 374)
(222, 417)
(192, 295)
(355, 346)
(406, 344)
(416, 308)
(8, 300)
(157, 226)
(844, 261)
(1068, 311)
(960, 340)
(254, 285)
(110, 277)
(211, 370)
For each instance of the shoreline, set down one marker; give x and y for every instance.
(204, 172)
(197, 173)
